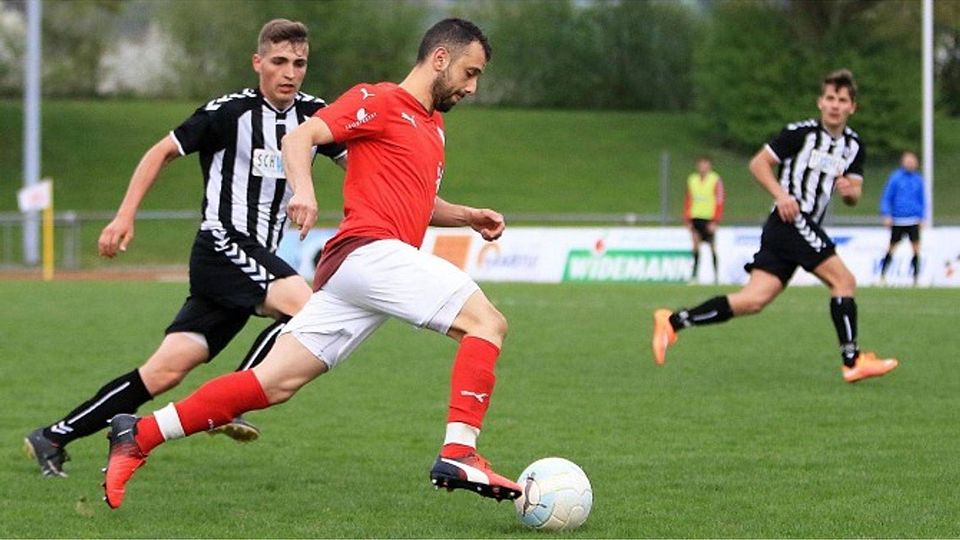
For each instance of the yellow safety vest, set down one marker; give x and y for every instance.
(703, 195)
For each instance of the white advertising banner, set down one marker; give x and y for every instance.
(552, 255)
(654, 254)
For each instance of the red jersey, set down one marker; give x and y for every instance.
(395, 162)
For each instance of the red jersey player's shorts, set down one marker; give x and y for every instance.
(385, 278)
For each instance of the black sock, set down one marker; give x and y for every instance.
(843, 310)
(714, 310)
(122, 395)
(262, 344)
(696, 263)
(716, 274)
(885, 264)
(915, 265)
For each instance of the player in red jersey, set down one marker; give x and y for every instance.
(371, 269)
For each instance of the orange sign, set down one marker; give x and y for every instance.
(453, 248)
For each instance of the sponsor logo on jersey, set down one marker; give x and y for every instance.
(409, 118)
(267, 163)
(362, 118)
(825, 163)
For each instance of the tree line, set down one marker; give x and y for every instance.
(746, 66)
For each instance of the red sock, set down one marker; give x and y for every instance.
(148, 434)
(472, 381)
(454, 450)
(214, 404)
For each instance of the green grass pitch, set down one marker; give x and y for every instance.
(747, 431)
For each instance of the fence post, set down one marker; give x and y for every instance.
(7, 242)
(71, 241)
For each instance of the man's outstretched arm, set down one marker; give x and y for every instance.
(297, 160)
(488, 223)
(119, 232)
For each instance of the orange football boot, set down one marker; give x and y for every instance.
(868, 365)
(663, 335)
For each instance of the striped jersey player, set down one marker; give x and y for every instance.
(814, 159)
(234, 271)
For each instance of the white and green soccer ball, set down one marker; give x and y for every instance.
(556, 495)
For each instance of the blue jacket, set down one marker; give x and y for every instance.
(903, 197)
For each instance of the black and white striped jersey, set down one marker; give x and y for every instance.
(811, 160)
(238, 138)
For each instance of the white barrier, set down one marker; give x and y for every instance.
(650, 254)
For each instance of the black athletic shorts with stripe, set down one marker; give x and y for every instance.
(786, 246)
(229, 275)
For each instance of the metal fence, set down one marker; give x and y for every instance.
(70, 225)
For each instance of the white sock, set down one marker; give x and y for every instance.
(169, 423)
(460, 433)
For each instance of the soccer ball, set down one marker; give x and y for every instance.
(556, 495)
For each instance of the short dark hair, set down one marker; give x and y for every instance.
(841, 78)
(280, 30)
(455, 35)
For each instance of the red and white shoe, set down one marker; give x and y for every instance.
(123, 459)
(473, 473)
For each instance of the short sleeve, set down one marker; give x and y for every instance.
(787, 143)
(191, 134)
(332, 150)
(358, 113)
(856, 166)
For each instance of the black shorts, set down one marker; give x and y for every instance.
(229, 275)
(785, 246)
(700, 225)
(897, 232)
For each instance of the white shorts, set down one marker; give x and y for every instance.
(386, 278)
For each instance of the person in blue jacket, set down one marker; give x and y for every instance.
(903, 208)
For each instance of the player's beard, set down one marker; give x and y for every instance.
(443, 95)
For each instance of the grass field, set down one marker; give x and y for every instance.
(747, 431)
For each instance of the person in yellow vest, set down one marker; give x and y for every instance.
(702, 210)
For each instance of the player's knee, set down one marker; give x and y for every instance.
(488, 321)
(845, 286)
(484, 322)
(749, 305)
(299, 297)
(286, 296)
(279, 395)
(159, 380)
(497, 323)
(283, 390)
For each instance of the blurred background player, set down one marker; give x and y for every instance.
(234, 272)
(371, 270)
(702, 210)
(903, 208)
(814, 157)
